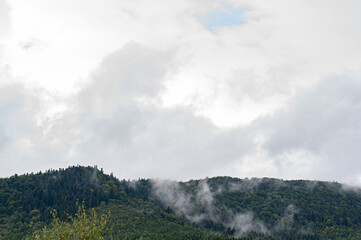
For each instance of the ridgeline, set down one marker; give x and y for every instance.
(211, 208)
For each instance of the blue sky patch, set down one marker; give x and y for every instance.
(223, 17)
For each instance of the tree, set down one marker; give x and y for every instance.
(81, 227)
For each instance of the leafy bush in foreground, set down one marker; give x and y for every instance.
(82, 226)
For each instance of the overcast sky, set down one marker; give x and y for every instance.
(182, 89)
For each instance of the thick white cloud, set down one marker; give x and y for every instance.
(255, 67)
(323, 121)
(18, 127)
(4, 19)
(5, 28)
(32, 136)
(173, 99)
(135, 138)
(315, 136)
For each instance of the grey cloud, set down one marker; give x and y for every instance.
(260, 85)
(15, 106)
(28, 143)
(4, 19)
(135, 138)
(131, 72)
(31, 44)
(17, 125)
(113, 123)
(5, 30)
(324, 120)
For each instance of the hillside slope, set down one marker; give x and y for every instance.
(26, 202)
(212, 208)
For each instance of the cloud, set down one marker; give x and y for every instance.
(250, 70)
(17, 125)
(172, 99)
(121, 127)
(324, 122)
(231, 76)
(131, 72)
(244, 223)
(32, 133)
(5, 29)
(116, 122)
(4, 19)
(171, 194)
(198, 206)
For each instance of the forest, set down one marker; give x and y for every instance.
(210, 208)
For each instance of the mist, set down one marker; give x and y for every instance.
(196, 201)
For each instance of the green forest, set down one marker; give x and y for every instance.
(211, 208)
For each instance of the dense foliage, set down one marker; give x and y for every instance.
(26, 201)
(214, 208)
(298, 208)
(82, 226)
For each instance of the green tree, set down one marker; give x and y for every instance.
(81, 227)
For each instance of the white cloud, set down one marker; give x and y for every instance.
(18, 128)
(323, 121)
(5, 29)
(137, 139)
(180, 101)
(283, 47)
(315, 136)
(4, 20)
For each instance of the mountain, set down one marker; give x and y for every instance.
(211, 208)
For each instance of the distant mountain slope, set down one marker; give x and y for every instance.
(268, 207)
(26, 202)
(212, 208)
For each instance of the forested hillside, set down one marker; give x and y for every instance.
(212, 208)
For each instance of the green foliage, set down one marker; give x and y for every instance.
(322, 210)
(80, 227)
(144, 219)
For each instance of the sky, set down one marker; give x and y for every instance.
(182, 89)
